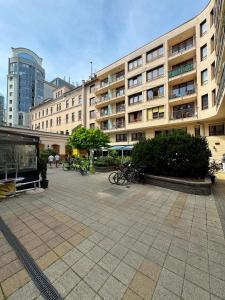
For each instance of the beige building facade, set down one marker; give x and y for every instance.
(175, 82)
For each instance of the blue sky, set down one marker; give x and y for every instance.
(68, 34)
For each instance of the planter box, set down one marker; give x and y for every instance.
(104, 169)
(181, 185)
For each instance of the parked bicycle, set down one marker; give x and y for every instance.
(128, 173)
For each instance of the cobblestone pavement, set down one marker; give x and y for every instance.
(94, 240)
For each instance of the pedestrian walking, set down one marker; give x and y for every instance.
(50, 159)
(57, 159)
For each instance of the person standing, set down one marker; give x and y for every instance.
(50, 159)
(57, 158)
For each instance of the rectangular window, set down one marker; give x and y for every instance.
(67, 103)
(204, 76)
(104, 125)
(10, 109)
(92, 101)
(42, 125)
(43, 113)
(135, 116)
(156, 112)
(203, 28)
(135, 63)
(120, 122)
(155, 93)
(134, 99)
(104, 82)
(67, 118)
(46, 124)
(197, 131)
(51, 110)
(213, 97)
(211, 17)
(183, 111)
(183, 46)
(205, 102)
(120, 107)
(92, 125)
(182, 89)
(92, 88)
(79, 99)
(79, 115)
(155, 53)
(137, 136)
(73, 116)
(212, 43)
(46, 111)
(217, 129)
(121, 137)
(104, 111)
(120, 91)
(51, 122)
(92, 114)
(39, 114)
(135, 81)
(155, 73)
(203, 51)
(119, 75)
(73, 101)
(213, 70)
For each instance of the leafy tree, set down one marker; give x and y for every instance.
(89, 139)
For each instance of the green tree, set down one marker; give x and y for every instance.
(89, 139)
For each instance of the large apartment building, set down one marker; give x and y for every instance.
(175, 82)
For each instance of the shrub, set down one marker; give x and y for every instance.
(178, 155)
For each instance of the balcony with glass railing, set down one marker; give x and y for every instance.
(182, 48)
(114, 126)
(183, 113)
(221, 89)
(183, 93)
(111, 112)
(110, 81)
(181, 70)
(110, 96)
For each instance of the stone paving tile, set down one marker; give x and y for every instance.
(109, 262)
(217, 287)
(156, 256)
(65, 283)
(112, 289)
(14, 282)
(150, 269)
(28, 292)
(81, 292)
(96, 253)
(83, 266)
(10, 269)
(133, 259)
(96, 277)
(142, 285)
(56, 270)
(175, 265)
(76, 239)
(63, 248)
(197, 277)
(131, 295)
(171, 281)
(193, 292)
(47, 259)
(85, 246)
(124, 273)
(119, 251)
(7, 258)
(163, 294)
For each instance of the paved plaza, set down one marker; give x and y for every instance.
(94, 240)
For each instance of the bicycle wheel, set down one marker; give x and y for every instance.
(113, 177)
(121, 179)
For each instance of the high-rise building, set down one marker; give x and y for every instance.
(25, 86)
(1, 109)
(174, 83)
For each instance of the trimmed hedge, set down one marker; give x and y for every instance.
(176, 155)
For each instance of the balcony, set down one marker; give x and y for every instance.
(183, 114)
(120, 108)
(114, 127)
(113, 96)
(111, 81)
(182, 49)
(181, 70)
(110, 113)
(221, 87)
(183, 94)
